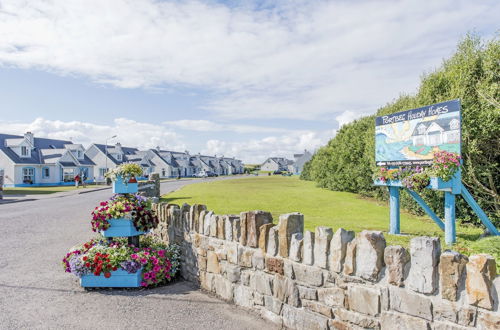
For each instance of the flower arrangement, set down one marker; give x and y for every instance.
(416, 181)
(126, 206)
(159, 263)
(128, 172)
(445, 164)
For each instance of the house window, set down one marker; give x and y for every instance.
(45, 172)
(28, 175)
(102, 172)
(119, 157)
(24, 151)
(79, 154)
(68, 174)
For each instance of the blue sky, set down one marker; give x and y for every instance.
(249, 79)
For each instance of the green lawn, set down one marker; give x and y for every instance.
(321, 207)
(39, 190)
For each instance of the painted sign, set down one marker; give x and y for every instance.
(411, 137)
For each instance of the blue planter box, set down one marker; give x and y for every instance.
(120, 227)
(118, 279)
(121, 188)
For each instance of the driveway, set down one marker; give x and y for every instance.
(35, 292)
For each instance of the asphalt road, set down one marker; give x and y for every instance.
(36, 293)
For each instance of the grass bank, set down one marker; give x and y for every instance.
(322, 207)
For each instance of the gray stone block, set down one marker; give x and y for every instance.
(364, 300)
(393, 321)
(338, 248)
(323, 236)
(308, 274)
(405, 301)
(370, 254)
(424, 275)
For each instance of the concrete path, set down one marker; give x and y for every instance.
(35, 292)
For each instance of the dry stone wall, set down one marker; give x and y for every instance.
(330, 279)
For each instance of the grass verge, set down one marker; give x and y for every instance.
(322, 207)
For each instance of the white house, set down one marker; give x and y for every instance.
(299, 161)
(437, 132)
(107, 157)
(276, 164)
(31, 161)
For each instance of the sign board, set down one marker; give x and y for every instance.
(412, 137)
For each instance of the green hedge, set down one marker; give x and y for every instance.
(472, 75)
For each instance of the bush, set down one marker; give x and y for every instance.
(472, 74)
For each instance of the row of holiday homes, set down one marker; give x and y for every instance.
(28, 160)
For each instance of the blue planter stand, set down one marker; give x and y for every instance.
(118, 279)
(450, 188)
(119, 187)
(120, 227)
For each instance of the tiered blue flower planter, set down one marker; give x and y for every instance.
(124, 188)
(120, 227)
(118, 279)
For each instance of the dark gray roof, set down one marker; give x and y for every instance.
(40, 143)
(128, 152)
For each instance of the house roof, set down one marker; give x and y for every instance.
(442, 122)
(39, 144)
(127, 152)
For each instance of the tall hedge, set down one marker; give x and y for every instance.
(472, 75)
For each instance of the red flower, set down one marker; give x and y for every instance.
(107, 275)
(85, 258)
(115, 268)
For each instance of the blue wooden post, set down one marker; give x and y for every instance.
(449, 216)
(394, 209)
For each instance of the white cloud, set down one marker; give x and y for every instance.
(347, 116)
(129, 133)
(211, 126)
(301, 59)
(258, 150)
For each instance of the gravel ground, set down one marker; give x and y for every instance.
(35, 292)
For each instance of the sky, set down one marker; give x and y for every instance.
(245, 79)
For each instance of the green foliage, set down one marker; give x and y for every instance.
(472, 75)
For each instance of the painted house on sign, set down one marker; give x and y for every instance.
(437, 132)
(31, 161)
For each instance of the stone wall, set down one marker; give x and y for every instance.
(150, 188)
(330, 279)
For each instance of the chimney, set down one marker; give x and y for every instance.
(158, 148)
(29, 136)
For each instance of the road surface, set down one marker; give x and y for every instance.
(36, 293)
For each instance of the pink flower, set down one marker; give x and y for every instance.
(156, 268)
(146, 276)
(144, 261)
(144, 284)
(133, 256)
